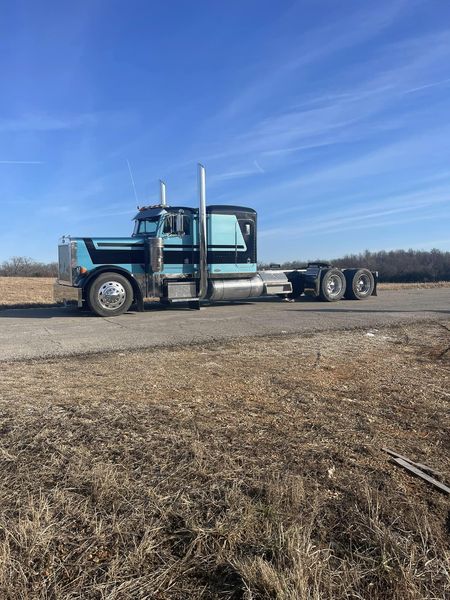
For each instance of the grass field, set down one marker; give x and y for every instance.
(26, 291)
(38, 291)
(246, 470)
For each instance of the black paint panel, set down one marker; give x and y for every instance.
(114, 257)
(171, 257)
(116, 244)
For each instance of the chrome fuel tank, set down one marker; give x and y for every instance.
(264, 283)
(235, 289)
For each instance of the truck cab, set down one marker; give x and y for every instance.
(161, 259)
(231, 233)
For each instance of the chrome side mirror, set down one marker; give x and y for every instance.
(180, 223)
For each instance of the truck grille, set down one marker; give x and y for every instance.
(65, 263)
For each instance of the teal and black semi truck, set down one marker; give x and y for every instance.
(180, 254)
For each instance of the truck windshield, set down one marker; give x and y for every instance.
(148, 226)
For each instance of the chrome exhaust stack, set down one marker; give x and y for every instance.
(202, 233)
(162, 193)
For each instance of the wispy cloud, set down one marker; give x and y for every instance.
(341, 115)
(314, 46)
(257, 170)
(426, 86)
(390, 157)
(21, 162)
(102, 214)
(371, 214)
(44, 122)
(231, 175)
(258, 166)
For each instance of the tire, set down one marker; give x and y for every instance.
(332, 285)
(110, 295)
(360, 284)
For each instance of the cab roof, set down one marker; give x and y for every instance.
(149, 212)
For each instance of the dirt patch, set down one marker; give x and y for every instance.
(26, 291)
(249, 469)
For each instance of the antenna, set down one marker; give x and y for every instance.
(132, 181)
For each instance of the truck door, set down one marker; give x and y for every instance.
(178, 244)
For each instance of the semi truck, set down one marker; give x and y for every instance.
(180, 255)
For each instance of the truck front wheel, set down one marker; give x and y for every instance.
(109, 295)
(332, 285)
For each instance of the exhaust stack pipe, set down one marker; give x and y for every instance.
(203, 241)
(162, 193)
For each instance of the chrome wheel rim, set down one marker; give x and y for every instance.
(363, 285)
(334, 286)
(111, 295)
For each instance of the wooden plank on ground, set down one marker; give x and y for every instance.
(408, 466)
(411, 462)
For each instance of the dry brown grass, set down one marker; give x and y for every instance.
(248, 470)
(26, 291)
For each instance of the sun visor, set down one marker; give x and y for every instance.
(149, 212)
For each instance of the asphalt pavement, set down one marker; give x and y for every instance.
(41, 332)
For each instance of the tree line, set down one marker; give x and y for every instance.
(401, 266)
(22, 266)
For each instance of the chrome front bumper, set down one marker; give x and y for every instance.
(66, 294)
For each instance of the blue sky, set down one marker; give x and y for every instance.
(331, 118)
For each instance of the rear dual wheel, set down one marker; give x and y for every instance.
(332, 285)
(360, 284)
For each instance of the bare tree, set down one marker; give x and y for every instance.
(23, 266)
(394, 265)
